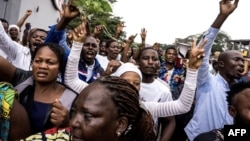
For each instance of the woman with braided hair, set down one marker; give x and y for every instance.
(109, 109)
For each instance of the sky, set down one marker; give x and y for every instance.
(166, 20)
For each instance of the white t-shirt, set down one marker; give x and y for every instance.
(90, 71)
(155, 92)
(103, 60)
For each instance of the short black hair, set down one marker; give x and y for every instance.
(235, 90)
(171, 47)
(109, 42)
(144, 49)
(5, 21)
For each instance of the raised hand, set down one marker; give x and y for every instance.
(70, 11)
(143, 34)
(131, 38)
(79, 34)
(113, 65)
(156, 46)
(227, 6)
(124, 45)
(28, 12)
(59, 115)
(120, 27)
(196, 55)
(98, 29)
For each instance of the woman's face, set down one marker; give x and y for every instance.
(94, 115)
(113, 50)
(133, 78)
(45, 66)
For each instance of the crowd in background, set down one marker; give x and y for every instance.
(75, 86)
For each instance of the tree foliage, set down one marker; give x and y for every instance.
(221, 42)
(97, 12)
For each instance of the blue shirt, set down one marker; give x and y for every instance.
(58, 37)
(211, 107)
(38, 115)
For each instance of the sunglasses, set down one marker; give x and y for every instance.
(90, 44)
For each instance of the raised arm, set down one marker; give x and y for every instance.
(71, 74)
(184, 102)
(126, 46)
(143, 42)
(97, 31)
(7, 45)
(143, 38)
(57, 32)
(23, 19)
(226, 8)
(119, 30)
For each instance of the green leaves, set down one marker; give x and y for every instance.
(107, 7)
(89, 7)
(98, 12)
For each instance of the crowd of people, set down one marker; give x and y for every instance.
(75, 86)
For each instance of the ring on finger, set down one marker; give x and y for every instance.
(111, 69)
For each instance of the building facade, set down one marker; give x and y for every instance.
(44, 12)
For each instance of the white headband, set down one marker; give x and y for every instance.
(126, 67)
(14, 26)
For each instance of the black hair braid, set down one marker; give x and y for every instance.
(124, 95)
(126, 98)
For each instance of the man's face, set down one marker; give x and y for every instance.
(234, 65)
(170, 56)
(5, 26)
(36, 38)
(149, 62)
(90, 49)
(241, 104)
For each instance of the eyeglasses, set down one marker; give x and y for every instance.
(90, 44)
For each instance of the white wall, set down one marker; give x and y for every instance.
(46, 15)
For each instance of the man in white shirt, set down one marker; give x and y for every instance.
(152, 89)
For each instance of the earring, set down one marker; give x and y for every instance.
(118, 134)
